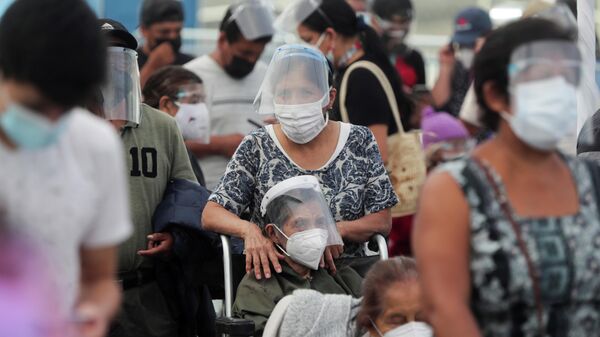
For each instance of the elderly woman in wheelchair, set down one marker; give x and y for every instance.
(300, 225)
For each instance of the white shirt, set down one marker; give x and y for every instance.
(69, 195)
(230, 103)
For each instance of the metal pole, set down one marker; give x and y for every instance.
(587, 98)
(382, 244)
(227, 275)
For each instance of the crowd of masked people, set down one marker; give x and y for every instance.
(122, 163)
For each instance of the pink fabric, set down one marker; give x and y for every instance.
(27, 303)
(440, 126)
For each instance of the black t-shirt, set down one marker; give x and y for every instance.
(411, 68)
(460, 83)
(180, 58)
(366, 102)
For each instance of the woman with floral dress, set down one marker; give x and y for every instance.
(343, 157)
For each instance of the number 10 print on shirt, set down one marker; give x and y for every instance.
(147, 158)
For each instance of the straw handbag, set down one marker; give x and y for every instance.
(406, 161)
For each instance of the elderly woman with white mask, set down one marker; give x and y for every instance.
(344, 158)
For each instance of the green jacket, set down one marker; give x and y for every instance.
(256, 299)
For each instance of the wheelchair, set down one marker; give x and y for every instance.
(227, 325)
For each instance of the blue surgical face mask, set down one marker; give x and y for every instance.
(30, 130)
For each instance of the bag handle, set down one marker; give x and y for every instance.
(383, 81)
(533, 275)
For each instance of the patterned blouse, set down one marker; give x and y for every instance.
(354, 182)
(565, 252)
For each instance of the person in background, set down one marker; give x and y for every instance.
(62, 183)
(507, 239)
(588, 142)
(394, 19)
(344, 38)
(180, 93)
(392, 303)
(155, 154)
(445, 138)
(359, 6)
(471, 25)
(161, 22)
(232, 74)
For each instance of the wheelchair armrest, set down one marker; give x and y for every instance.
(378, 244)
(227, 275)
(234, 327)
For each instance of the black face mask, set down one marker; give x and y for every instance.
(175, 43)
(395, 46)
(239, 68)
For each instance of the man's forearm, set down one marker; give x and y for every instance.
(204, 150)
(443, 87)
(147, 70)
(219, 145)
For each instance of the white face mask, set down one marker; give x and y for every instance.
(306, 247)
(465, 56)
(545, 112)
(301, 123)
(194, 122)
(412, 329)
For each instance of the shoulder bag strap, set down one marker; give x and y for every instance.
(385, 84)
(533, 274)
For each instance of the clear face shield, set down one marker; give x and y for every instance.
(558, 13)
(254, 18)
(122, 92)
(295, 13)
(544, 78)
(192, 117)
(302, 219)
(297, 76)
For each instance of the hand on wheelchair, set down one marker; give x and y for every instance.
(260, 252)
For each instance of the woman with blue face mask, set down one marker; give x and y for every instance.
(344, 158)
(507, 239)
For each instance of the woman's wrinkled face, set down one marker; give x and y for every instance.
(307, 215)
(402, 304)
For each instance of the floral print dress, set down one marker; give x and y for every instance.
(565, 252)
(354, 181)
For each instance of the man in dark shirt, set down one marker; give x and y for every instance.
(471, 26)
(161, 22)
(394, 19)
